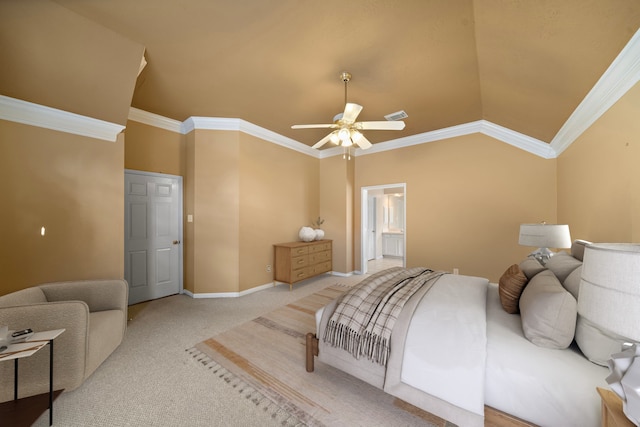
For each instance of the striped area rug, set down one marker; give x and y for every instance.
(264, 361)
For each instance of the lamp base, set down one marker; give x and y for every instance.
(542, 255)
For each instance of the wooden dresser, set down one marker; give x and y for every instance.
(296, 261)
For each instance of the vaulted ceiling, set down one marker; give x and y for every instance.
(522, 64)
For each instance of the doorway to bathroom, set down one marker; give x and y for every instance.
(383, 227)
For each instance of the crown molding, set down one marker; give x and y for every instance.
(28, 113)
(485, 127)
(517, 139)
(155, 120)
(622, 75)
(239, 125)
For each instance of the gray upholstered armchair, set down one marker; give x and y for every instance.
(94, 314)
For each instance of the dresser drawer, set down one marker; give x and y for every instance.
(323, 267)
(300, 274)
(320, 247)
(319, 257)
(299, 261)
(302, 250)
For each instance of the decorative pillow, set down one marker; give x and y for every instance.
(572, 282)
(577, 249)
(548, 312)
(597, 345)
(530, 267)
(510, 288)
(562, 264)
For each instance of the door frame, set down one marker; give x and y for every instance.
(364, 207)
(180, 219)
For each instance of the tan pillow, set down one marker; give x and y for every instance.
(510, 288)
(562, 264)
(548, 312)
(530, 267)
(572, 282)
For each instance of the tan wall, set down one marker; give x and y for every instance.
(152, 149)
(73, 186)
(216, 208)
(278, 195)
(599, 177)
(336, 208)
(466, 198)
(188, 235)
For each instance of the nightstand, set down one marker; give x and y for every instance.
(612, 415)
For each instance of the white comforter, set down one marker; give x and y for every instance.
(444, 352)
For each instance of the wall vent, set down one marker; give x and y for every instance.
(398, 115)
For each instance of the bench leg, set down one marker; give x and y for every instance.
(312, 350)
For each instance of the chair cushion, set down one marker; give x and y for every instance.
(105, 335)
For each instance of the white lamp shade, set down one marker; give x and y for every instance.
(610, 288)
(545, 235)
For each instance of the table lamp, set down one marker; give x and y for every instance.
(544, 236)
(610, 299)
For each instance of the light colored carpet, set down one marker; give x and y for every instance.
(150, 380)
(264, 361)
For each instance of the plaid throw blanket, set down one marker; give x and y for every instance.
(364, 317)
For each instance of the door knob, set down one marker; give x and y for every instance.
(176, 242)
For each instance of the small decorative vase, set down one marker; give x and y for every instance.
(307, 234)
(319, 234)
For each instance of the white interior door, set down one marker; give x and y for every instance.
(153, 233)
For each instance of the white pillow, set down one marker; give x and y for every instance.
(548, 312)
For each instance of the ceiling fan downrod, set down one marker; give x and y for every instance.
(345, 76)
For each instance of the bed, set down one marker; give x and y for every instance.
(456, 351)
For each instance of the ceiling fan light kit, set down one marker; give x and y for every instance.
(346, 131)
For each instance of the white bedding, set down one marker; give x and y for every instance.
(457, 377)
(445, 349)
(544, 386)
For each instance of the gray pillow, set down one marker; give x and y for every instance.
(578, 247)
(548, 312)
(530, 267)
(572, 282)
(562, 264)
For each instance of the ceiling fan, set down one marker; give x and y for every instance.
(347, 130)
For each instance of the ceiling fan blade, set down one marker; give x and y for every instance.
(360, 140)
(351, 112)
(381, 125)
(324, 125)
(322, 141)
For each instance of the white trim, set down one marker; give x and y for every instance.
(517, 139)
(337, 273)
(622, 75)
(485, 127)
(28, 113)
(228, 294)
(217, 123)
(364, 196)
(155, 120)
